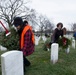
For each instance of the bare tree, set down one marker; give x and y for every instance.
(73, 26)
(41, 22)
(48, 25)
(11, 8)
(45, 24)
(31, 16)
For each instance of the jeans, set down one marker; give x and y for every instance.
(26, 63)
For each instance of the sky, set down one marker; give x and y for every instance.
(57, 10)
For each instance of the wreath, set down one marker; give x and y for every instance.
(64, 42)
(11, 42)
(47, 44)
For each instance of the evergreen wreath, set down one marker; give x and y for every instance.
(64, 42)
(11, 42)
(46, 44)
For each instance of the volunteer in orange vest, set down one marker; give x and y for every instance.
(26, 38)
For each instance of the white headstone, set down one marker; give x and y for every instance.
(54, 52)
(68, 36)
(44, 38)
(73, 43)
(3, 48)
(67, 50)
(48, 49)
(12, 63)
(37, 40)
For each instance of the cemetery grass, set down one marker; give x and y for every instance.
(41, 64)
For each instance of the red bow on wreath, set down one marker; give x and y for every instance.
(64, 41)
(7, 32)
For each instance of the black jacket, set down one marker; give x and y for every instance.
(56, 35)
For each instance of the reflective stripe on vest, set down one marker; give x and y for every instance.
(26, 28)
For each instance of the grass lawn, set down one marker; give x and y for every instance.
(41, 64)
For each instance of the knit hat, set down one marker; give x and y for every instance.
(18, 21)
(60, 24)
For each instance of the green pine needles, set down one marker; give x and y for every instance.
(11, 42)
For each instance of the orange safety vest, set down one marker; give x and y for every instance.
(26, 28)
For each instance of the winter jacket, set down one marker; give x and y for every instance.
(27, 40)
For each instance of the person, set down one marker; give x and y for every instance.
(57, 33)
(74, 35)
(64, 31)
(26, 39)
(64, 39)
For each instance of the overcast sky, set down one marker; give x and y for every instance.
(57, 10)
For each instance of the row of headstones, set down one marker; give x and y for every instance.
(36, 42)
(55, 50)
(38, 38)
(44, 39)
